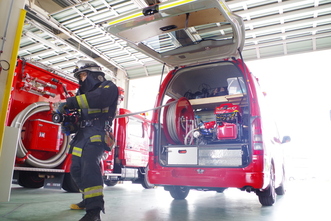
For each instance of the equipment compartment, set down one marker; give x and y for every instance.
(203, 124)
(225, 155)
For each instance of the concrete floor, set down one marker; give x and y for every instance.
(304, 200)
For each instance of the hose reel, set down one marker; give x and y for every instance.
(178, 120)
(22, 152)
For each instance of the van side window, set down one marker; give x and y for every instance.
(236, 85)
(135, 128)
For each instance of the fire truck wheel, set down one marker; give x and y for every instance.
(145, 183)
(110, 182)
(30, 179)
(268, 196)
(68, 184)
(179, 192)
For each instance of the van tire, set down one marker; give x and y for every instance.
(281, 189)
(179, 192)
(267, 197)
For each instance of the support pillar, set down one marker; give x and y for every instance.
(12, 17)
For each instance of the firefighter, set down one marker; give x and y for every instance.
(96, 101)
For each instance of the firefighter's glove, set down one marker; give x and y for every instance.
(61, 108)
(69, 128)
(65, 128)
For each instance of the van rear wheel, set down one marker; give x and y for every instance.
(281, 189)
(268, 196)
(179, 192)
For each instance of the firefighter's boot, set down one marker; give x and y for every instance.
(80, 205)
(91, 215)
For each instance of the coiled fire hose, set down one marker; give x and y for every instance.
(171, 122)
(179, 120)
(22, 152)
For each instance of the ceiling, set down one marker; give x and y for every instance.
(58, 33)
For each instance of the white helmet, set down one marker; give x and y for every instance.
(85, 65)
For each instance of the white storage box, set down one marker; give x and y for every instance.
(182, 155)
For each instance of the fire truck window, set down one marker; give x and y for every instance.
(135, 128)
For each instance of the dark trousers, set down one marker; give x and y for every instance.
(86, 172)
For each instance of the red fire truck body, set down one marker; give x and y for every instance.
(129, 158)
(42, 152)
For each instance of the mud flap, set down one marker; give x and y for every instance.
(53, 181)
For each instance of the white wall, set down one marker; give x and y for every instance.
(300, 88)
(142, 93)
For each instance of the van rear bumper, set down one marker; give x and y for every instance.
(206, 177)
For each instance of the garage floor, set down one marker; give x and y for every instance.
(304, 200)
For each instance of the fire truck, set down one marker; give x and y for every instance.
(216, 129)
(43, 157)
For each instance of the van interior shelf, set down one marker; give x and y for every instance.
(213, 102)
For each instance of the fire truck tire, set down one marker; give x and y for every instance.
(110, 182)
(29, 179)
(22, 152)
(179, 192)
(68, 184)
(268, 196)
(145, 182)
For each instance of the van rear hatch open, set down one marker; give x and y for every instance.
(182, 32)
(197, 34)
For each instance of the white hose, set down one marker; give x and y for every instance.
(22, 152)
(171, 122)
(188, 134)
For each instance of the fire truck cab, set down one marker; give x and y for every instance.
(216, 130)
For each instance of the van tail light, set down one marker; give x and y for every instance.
(257, 137)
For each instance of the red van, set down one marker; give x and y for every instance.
(215, 130)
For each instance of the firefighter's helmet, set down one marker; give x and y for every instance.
(86, 66)
(94, 75)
